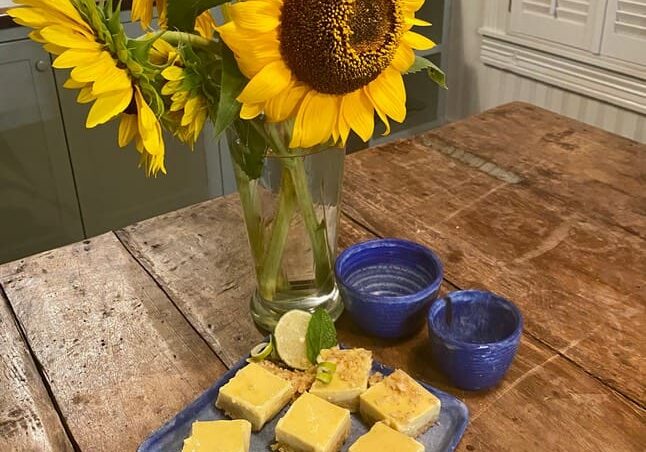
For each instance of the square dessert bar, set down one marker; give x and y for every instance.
(401, 403)
(254, 394)
(382, 437)
(230, 436)
(349, 380)
(313, 424)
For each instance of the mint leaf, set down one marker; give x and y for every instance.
(321, 334)
(434, 72)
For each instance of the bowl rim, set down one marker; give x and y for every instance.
(513, 337)
(390, 242)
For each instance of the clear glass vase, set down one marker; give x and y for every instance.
(291, 204)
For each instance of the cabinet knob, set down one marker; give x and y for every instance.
(42, 65)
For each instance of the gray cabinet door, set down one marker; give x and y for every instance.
(38, 205)
(112, 190)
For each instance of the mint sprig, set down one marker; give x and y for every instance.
(321, 334)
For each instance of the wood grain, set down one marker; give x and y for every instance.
(542, 401)
(28, 420)
(200, 256)
(118, 356)
(577, 278)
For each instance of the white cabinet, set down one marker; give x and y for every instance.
(578, 23)
(625, 31)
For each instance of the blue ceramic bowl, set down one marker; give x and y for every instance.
(474, 337)
(387, 285)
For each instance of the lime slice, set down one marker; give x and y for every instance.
(261, 351)
(289, 338)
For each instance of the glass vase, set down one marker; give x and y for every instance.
(291, 205)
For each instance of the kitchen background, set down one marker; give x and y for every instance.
(61, 183)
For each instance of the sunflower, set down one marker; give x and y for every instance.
(142, 11)
(188, 108)
(330, 64)
(101, 76)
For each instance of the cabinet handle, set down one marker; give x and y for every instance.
(42, 66)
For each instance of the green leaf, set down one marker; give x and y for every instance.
(434, 72)
(231, 85)
(182, 13)
(321, 334)
(248, 151)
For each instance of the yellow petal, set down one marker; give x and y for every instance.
(150, 131)
(388, 94)
(190, 110)
(414, 21)
(205, 25)
(281, 106)
(380, 113)
(411, 6)
(343, 126)
(85, 95)
(64, 7)
(271, 80)
(404, 58)
(171, 87)
(142, 10)
(417, 41)
(116, 79)
(250, 111)
(95, 69)
(173, 73)
(127, 129)
(258, 16)
(315, 120)
(54, 49)
(358, 113)
(64, 37)
(107, 107)
(73, 84)
(198, 124)
(75, 57)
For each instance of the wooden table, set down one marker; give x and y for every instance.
(104, 340)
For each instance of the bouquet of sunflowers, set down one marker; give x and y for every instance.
(282, 78)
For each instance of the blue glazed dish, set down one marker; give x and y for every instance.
(474, 337)
(444, 436)
(387, 285)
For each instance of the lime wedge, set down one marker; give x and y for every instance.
(289, 338)
(261, 351)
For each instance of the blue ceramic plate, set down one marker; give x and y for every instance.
(443, 436)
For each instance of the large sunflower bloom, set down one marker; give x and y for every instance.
(100, 76)
(331, 64)
(142, 11)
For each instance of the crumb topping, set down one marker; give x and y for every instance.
(375, 378)
(349, 362)
(301, 380)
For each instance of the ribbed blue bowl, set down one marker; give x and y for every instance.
(474, 337)
(387, 285)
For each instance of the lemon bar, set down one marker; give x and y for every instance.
(349, 380)
(313, 424)
(401, 403)
(382, 437)
(254, 394)
(218, 436)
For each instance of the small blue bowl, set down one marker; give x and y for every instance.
(474, 337)
(387, 285)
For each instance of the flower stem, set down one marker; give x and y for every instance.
(176, 37)
(251, 211)
(296, 169)
(270, 273)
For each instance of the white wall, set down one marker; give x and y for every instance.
(475, 87)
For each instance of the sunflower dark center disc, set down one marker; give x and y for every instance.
(338, 46)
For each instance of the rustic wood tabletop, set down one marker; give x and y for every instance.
(102, 341)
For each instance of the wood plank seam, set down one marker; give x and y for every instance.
(599, 379)
(161, 287)
(533, 336)
(41, 371)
